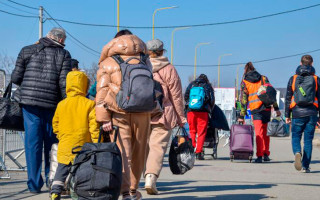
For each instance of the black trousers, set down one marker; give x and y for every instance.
(60, 178)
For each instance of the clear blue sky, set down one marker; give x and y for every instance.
(254, 40)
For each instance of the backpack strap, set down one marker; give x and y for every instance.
(118, 59)
(7, 92)
(263, 81)
(144, 58)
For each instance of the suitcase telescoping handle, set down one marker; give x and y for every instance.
(116, 133)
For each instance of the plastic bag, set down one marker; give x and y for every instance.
(181, 155)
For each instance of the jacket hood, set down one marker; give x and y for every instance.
(77, 84)
(159, 63)
(200, 80)
(47, 42)
(252, 76)
(305, 70)
(128, 45)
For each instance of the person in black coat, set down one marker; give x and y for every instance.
(40, 73)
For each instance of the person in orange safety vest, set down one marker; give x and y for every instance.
(261, 114)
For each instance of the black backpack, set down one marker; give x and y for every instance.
(305, 90)
(137, 87)
(97, 170)
(266, 93)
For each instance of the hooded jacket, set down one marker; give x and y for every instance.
(168, 77)
(263, 113)
(298, 111)
(74, 121)
(41, 71)
(109, 73)
(209, 98)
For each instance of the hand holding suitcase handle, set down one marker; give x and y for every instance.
(116, 128)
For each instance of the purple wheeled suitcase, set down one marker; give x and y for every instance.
(241, 142)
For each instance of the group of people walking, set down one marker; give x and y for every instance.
(52, 93)
(301, 110)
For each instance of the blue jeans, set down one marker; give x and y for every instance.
(38, 133)
(306, 125)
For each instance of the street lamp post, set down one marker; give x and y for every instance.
(172, 37)
(118, 15)
(195, 57)
(154, 13)
(237, 84)
(229, 54)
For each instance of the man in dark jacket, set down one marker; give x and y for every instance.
(41, 71)
(304, 117)
(198, 118)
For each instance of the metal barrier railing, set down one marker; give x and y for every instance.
(231, 118)
(3, 167)
(11, 147)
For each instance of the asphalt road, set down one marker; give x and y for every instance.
(219, 179)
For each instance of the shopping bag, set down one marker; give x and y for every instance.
(10, 112)
(181, 154)
(278, 128)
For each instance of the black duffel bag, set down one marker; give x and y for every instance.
(97, 170)
(11, 117)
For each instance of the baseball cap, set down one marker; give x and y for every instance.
(155, 45)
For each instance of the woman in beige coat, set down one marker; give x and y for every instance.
(173, 113)
(133, 127)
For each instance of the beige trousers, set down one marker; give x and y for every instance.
(157, 147)
(133, 129)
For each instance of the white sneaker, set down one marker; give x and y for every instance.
(150, 184)
(297, 161)
(304, 170)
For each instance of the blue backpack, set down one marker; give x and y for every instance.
(196, 98)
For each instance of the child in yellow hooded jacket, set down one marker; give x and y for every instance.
(74, 123)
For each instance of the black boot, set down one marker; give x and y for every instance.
(258, 160)
(200, 156)
(266, 158)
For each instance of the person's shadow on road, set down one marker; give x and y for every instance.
(220, 197)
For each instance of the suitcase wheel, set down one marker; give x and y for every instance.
(231, 158)
(250, 159)
(215, 153)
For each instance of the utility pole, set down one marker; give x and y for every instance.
(40, 22)
(118, 15)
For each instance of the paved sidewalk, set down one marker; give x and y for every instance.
(219, 179)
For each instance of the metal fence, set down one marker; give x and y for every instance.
(11, 149)
(231, 118)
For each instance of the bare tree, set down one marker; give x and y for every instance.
(190, 78)
(7, 63)
(214, 83)
(92, 72)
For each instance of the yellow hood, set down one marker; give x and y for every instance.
(77, 84)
